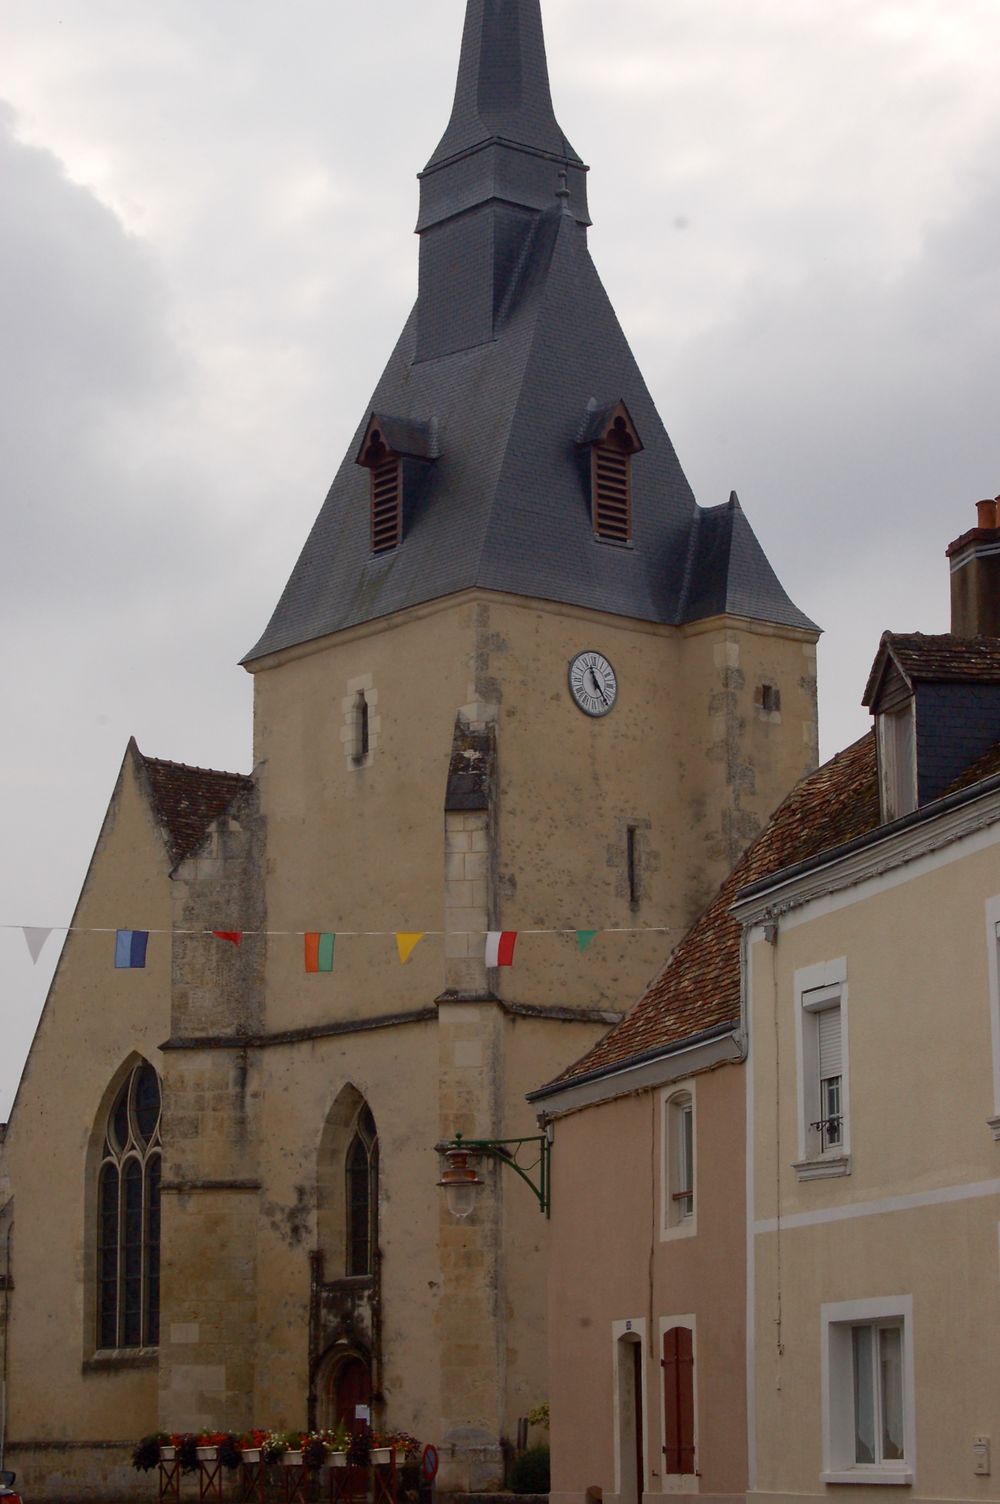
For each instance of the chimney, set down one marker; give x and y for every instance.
(975, 575)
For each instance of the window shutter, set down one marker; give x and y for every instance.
(612, 492)
(830, 1054)
(678, 1399)
(387, 510)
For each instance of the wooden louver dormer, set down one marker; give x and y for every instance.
(395, 452)
(613, 440)
(385, 469)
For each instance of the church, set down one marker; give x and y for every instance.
(520, 707)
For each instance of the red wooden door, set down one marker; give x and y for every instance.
(678, 1399)
(352, 1386)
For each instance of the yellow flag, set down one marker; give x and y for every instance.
(407, 944)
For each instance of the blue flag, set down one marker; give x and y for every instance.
(130, 949)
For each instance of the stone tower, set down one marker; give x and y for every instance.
(518, 681)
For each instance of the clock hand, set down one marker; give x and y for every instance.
(597, 685)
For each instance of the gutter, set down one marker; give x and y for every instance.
(4, 1331)
(723, 1044)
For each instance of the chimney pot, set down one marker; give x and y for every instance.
(987, 514)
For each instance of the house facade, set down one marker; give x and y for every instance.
(519, 683)
(777, 1175)
(873, 1111)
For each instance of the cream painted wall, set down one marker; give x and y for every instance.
(920, 1065)
(606, 1231)
(96, 1020)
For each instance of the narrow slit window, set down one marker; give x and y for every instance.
(362, 729)
(632, 860)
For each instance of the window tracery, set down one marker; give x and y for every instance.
(128, 1216)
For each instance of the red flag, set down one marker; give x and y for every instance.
(233, 936)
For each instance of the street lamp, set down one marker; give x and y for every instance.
(461, 1182)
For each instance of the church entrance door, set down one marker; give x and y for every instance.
(351, 1386)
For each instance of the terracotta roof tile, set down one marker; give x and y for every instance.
(939, 658)
(700, 986)
(187, 800)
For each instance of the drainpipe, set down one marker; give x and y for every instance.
(4, 1326)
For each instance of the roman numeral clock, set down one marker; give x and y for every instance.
(592, 683)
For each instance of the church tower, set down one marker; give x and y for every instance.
(518, 681)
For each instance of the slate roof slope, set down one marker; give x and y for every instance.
(505, 505)
(186, 800)
(942, 658)
(699, 990)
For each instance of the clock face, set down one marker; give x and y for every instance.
(592, 683)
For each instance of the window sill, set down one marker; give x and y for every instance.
(823, 1169)
(994, 1125)
(121, 1360)
(869, 1474)
(686, 1229)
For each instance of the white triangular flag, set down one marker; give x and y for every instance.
(35, 939)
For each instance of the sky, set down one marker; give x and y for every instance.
(206, 255)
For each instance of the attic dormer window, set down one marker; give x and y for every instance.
(397, 453)
(613, 441)
(385, 471)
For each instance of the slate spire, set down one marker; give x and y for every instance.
(496, 170)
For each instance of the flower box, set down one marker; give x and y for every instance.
(336, 1459)
(168, 1454)
(207, 1454)
(382, 1456)
(292, 1459)
(251, 1454)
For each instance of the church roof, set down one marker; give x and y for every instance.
(186, 800)
(502, 502)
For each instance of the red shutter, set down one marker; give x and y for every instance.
(678, 1399)
(612, 492)
(387, 497)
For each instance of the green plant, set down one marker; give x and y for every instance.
(539, 1416)
(529, 1473)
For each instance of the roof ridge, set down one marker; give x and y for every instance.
(188, 767)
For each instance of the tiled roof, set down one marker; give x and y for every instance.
(940, 658)
(700, 987)
(187, 800)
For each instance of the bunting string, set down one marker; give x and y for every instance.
(131, 946)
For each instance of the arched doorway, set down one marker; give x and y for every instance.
(347, 1385)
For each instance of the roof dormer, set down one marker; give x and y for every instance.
(613, 440)
(396, 453)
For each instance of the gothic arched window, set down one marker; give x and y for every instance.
(128, 1216)
(362, 1195)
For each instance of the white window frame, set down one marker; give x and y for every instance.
(678, 1483)
(897, 760)
(818, 988)
(673, 1103)
(837, 1388)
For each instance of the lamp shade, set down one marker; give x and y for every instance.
(459, 1181)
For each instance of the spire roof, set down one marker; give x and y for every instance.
(511, 354)
(503, 142)
(503, 84)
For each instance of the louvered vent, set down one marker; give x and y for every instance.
(612, 492)
(387, 503)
